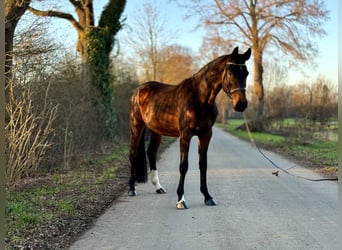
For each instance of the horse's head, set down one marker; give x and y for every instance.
(234, 78)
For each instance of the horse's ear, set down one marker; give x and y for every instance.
(247, 54)
(235, 51)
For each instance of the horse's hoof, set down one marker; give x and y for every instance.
(210, 202)
(132, 193)
(181, 205)
(161, 191)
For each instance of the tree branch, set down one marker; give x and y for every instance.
(77, 4)
(58, 14)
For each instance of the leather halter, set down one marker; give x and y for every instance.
(226, 88)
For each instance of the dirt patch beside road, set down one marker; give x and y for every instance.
(88, 192)
(60, 206)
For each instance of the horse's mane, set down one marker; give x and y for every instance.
(210, 64)
(204, 69)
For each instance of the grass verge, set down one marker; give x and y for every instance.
(50, 210)
(321, 155)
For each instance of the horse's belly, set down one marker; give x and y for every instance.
(167, 126)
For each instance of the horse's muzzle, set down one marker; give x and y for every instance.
(240, 106)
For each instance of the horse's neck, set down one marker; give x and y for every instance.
(207, 85)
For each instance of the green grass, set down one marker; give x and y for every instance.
(265, 138)
(123, 150)
(107, 174)
(24, 213)
(27, 208)
(323, 153)
(65, 205)
(319, 152)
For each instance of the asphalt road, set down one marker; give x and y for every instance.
(256, 210)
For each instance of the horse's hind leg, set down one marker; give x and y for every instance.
(137, 157)
(152, 157)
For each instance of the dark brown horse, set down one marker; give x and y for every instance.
(183, 111)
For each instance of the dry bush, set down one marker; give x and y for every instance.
(29, 134)
(79, 129)
(124, 85)
(123, 94)
(40, 136)
(66, 134)
(29, 124)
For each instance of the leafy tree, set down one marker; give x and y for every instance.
(286, 25)
(94, 45)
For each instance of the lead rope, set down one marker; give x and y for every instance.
(274, 164)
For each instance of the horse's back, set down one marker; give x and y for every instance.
(155, 92)
(156, 87)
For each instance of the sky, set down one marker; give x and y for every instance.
(327, 59)
(173, 18)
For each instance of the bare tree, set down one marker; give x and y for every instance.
(286, 25)
(176, 63)
(213, 46)
(278, 103)
(323, 100)
(277, 98)
(148, 38)
(315, 101)
(33, 52)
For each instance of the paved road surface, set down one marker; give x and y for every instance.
(256, 210)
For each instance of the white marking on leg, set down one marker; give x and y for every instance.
(154, 177)
(181, 204)
(156, 183)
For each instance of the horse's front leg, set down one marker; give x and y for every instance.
(183, 169)
(203, 144)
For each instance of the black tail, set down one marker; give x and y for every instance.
(140, 163)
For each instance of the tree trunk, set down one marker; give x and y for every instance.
(9, 36)
(13, 12)
(100, 44)
(81, 47)
(258, 96)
